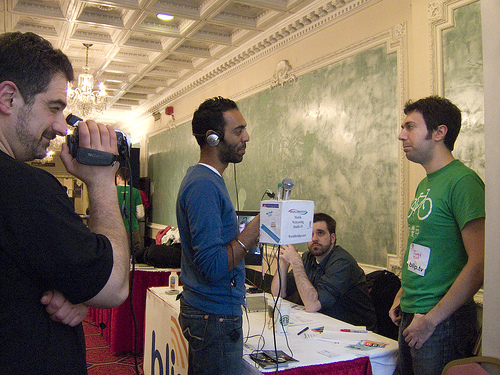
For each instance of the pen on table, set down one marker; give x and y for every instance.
(305, 329)
(353, 330)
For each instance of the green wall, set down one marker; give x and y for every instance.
(463, 83)
(169, 155)
(334, 131)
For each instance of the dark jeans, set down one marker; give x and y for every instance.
(213, 346)
(453, 338)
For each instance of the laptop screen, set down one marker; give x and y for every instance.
(254, 256)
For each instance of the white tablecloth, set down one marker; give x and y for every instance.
(165, 345)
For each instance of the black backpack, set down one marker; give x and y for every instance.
(161, 256)
(383, 286)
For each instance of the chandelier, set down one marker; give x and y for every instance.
(84, 99)
(54, 147)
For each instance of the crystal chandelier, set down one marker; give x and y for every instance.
(84, 99)
(54, 147)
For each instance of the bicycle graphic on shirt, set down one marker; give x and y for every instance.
(422, 206)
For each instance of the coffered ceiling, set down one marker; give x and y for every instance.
(145, 62)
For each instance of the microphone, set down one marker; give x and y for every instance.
(280, 191)
(288, 184)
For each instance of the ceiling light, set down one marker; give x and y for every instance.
(84, 99)
(164, 17)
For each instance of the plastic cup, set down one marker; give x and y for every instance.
(281, 315)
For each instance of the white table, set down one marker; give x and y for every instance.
(166, 347)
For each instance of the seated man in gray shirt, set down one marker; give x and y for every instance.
(327, 278)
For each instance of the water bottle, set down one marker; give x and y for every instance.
(173, 280)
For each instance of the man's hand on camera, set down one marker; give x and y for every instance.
(97, 137)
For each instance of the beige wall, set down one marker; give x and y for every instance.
(490, 13)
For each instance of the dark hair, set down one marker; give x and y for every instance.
(31, 62)
(438, 111)
(209, 116)
(331, 224)
(124, 174)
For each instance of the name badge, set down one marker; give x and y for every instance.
(418, 259)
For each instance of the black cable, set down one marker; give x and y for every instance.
(269, 193)
(236, 188)
(132, 273)
(274, 311)
(268, 259)
(279, 293)
(101, 325)
(274, 308)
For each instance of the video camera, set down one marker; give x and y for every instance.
(88, 156)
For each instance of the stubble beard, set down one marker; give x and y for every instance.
(321, 251)
(229, 154)
(33, 148)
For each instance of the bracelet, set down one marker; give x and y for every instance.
(242, 245)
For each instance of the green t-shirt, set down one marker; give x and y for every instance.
(125, 206)
(445, 201)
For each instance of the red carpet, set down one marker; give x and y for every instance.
(100, 360)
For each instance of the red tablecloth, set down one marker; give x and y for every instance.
(119, 331)
(358, 366)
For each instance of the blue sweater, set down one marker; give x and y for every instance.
(207, 222)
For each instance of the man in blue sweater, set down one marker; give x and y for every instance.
(213, 250)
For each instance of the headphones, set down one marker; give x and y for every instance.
(213, 139)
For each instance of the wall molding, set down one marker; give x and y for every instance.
(441, 17)
(302, 24)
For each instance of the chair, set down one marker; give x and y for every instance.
(473, 366)
(383, 286)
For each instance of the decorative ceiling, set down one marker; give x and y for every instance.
(146, 63)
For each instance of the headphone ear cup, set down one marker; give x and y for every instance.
(213, 139)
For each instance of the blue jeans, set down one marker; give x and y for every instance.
(215, 341)
(453, 338)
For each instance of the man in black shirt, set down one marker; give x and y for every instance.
(47, 253)
(326, 278)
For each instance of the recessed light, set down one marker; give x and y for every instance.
(164, 17)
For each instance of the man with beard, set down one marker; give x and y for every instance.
(326, 278)
(213, 249)
(48, 255)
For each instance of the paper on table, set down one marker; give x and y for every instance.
(343, 328)
(248, 348)
(342, 337)
(334, 335)
(332, 353)
(313, 335)
(299, 318)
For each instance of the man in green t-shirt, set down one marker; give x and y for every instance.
(443, 265)
(131, 206)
